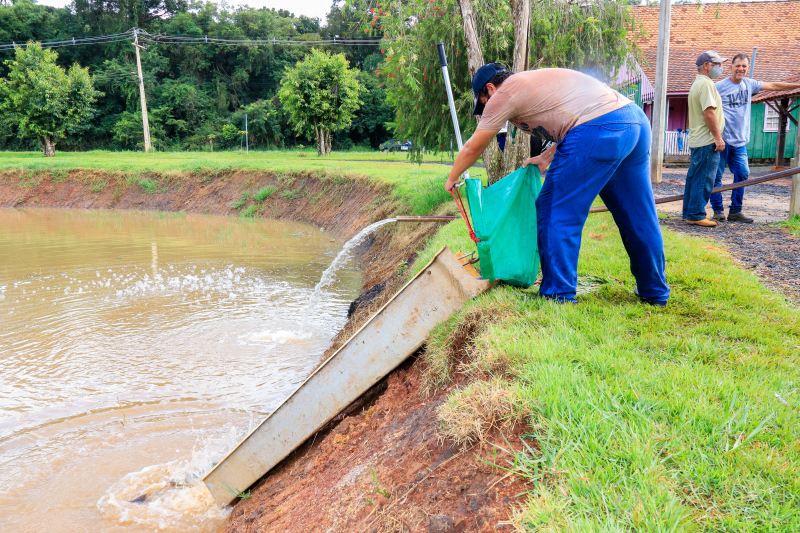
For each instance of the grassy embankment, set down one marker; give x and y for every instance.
(417, 186)
(642, 419)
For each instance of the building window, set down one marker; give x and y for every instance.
(771, 120)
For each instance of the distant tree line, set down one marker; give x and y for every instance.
(197, 94)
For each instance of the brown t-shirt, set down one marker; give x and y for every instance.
(549, 102)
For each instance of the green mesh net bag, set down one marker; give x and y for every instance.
(504, 221)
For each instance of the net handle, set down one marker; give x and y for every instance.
(460, 204)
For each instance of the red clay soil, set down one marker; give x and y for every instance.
(420, 484)
(343, 206)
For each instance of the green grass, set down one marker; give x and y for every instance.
(793, 224)
(405, 177)
(265, 193)
(678, 419)
(291, 194)
(239, 202)
(250, 212)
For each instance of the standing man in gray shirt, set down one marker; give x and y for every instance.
(736, 93)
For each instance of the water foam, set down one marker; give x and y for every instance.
(171, 496)
(341, 259)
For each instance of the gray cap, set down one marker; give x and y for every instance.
(710, 57)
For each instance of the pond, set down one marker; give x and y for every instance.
(137, 348)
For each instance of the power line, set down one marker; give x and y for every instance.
(178, 39)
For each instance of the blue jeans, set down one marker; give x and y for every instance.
(699, 181)
(736, 159)
(609, 156)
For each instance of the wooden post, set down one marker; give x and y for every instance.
(660, 86)
(794, 197)
(783, 121)
(145, 121)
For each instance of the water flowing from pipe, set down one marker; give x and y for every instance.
(340, 260)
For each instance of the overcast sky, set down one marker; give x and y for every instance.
(310, 8)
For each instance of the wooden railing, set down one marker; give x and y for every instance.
(672, 145)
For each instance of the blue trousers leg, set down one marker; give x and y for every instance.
(703, 168)
(585, 162)
(629, 197)
(737, 162)
(716, 198)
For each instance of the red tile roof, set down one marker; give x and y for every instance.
(763, 96)
(729, 28)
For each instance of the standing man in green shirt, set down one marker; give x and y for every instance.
(706, 123)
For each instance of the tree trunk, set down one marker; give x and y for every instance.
(500, 164)
(492, 156)
(518, 147)
(474, 52)
(48, 146)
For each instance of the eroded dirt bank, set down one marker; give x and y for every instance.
(383, 468)
(380, 465)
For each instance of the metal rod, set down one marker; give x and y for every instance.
(677, 197)
(438, 218)
(450, 100)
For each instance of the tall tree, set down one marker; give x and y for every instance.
(587, 36)
(321, 94)
(42, 98)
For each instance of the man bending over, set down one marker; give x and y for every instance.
(603, 149)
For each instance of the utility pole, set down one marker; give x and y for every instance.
(246, 136)
(145, 121)
(660, 100)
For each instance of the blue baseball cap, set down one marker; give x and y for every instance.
(479, 81)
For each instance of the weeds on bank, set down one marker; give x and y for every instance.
(239, 202)
(239, 494)
(265, 193)
(291, 194)
(645, 419)
(250, 212)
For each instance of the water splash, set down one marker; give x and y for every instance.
(340, 260)
(171, 496)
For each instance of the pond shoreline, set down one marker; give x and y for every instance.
(390, 434)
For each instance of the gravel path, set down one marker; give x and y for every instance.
(772, 253)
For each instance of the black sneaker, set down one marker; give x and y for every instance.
(654, 303)
(740, 217)
(719, 216)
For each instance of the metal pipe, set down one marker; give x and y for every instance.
(437, 218)
(677, 197)
(450, 100)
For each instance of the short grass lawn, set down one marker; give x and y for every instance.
(643, 419)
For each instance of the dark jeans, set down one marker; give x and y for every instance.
(609, 156)
(699, 181)
(736, 159)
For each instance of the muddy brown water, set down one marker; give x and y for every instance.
(137, 348)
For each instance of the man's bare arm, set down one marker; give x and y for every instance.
(779, 86)
(470, 153)
(710, 118)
